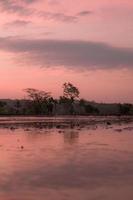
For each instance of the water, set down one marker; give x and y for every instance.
(90, 162)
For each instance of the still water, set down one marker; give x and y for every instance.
(92, 162)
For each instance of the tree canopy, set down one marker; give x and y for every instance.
(37, 95)
(70, 91)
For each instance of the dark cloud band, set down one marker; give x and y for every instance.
(71, 54)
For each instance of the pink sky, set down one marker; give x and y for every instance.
(44, 43)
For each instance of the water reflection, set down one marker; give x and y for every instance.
(94, 163)
(71, 137)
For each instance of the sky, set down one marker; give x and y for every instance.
(44, 43)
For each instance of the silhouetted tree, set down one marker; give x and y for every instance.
(63, 100)
(2, 107)
(91, 109)
(82, 102)
(39, 99)
(70, 91)
(50, 105)
(2, 103)
(124, 109)
(17, 104)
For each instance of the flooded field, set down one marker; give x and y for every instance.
(66, 158)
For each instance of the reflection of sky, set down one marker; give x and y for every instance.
(95, 163)
(89, 44)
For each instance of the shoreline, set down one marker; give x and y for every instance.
(61, 122)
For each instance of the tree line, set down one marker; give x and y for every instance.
(39, 102)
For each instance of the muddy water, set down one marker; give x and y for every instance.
(93, 162)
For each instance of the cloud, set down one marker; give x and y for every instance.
(75, 55)
(57, 16)
(14, 6)
(22, 8)
(29, 1)
(84, 13)
(47, 33)
(17, 23)
(53, 2)
(62, 16)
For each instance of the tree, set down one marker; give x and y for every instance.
(124, 109)
(50, 105)
(17, 105)
(70, 91)
(39, 99)
(63, 100)
(90, 109)
(82, 102)
(37, 95)
(2, 107)
(2, 104)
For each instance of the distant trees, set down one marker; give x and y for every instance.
(17, 107)
(89, 109)
(2, 104)
(37, 95)
(82, 102)
(124, 109)
(63, 100)
(39, 100)
(70, 91)
(2, 107)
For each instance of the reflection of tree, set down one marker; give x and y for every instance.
(36, 134)
(71, 137)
